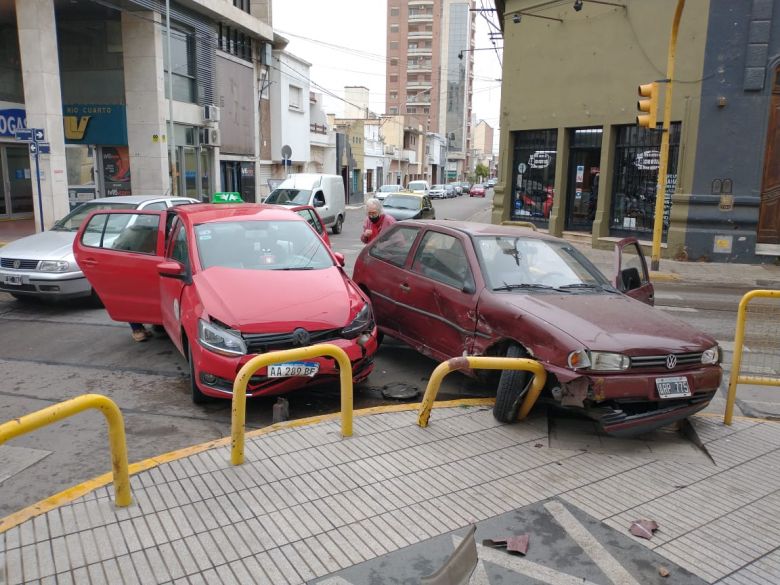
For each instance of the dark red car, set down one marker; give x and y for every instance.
(228, 282)
(452, 288)
(477, 190)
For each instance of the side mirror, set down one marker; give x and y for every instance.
(340, 258)
(172, 269)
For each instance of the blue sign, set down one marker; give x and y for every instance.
(94, 124)
(12, 119)
(38, 134)
(44, 148)
(24, 134)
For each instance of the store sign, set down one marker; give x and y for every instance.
(539, 160)
(94, 124)
(648, 160)
(11, 119)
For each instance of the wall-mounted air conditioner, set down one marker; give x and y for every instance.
(210, 114)
(209, 137)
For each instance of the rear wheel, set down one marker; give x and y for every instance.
(198, 397)
(512, 388)
(336, 229)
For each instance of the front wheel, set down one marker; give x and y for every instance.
(512, 388)
(336, 229)
(198, 397)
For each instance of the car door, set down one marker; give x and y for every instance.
(172, 287)
(119, 251)
(437, 308)
(314, 220)
(631, 274)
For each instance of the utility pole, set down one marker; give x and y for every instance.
(660, 192)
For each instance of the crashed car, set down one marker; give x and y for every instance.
(457, 288)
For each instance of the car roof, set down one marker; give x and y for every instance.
(198, 213)
(474, 228)
(135, 198)
(410, 193)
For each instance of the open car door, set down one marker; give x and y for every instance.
(631, 274)
(119, 251)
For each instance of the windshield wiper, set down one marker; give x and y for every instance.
(506, 286)
(580, 285)
(295, 268)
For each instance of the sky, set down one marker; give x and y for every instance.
(346, 43)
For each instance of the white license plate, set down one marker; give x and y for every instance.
(15, 280)
(288, 369)
(675, 387)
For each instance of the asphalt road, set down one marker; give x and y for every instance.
(51, 352)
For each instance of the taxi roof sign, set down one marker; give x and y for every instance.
(226, 197)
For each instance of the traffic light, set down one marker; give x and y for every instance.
(649, 104)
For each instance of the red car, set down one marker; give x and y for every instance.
(477, 191)
(451, 288)
(228, 282)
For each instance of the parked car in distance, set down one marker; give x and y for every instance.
(491, 182)
(456, 187)
(451, 288)
(383, 191)
(408, 205)
(228, 282)
(450, 191)
(42, 265)
(477, 190)
(324, 192)
(421, 187)
(437, 191)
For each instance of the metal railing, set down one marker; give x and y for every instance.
(275, 357)
(116, 433)
(526, 224)
(736, 376)
(483, 363)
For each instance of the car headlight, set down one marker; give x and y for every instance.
(220, 340)
(600, 361)
(363, 321)
(711, 356)
(54, 266)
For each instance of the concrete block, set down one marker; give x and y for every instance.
(760, 31)
(756, 55)
(754, 78)
(762, 10)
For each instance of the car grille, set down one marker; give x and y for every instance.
(659, 361)
(263, 342)
(18, 288)
(23, 264)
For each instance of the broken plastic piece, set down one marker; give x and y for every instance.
(643, 528)
(517, 544)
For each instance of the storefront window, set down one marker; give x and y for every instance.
(637, 153)
(533, 175)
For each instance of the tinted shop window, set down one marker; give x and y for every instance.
(637, 154)
(533, 175)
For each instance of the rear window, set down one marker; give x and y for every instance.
(418, 186)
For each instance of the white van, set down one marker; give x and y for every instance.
(325, 192)
(421, 187)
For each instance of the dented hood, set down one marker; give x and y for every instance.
(610, 322)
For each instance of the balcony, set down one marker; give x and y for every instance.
(420, 3)
(425, 34)
(427, 66)
(418, 86)
(420, 51)
(420, 17)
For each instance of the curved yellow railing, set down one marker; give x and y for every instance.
(275, 357)
(527, 224)
(739, 339)
(116, 433)
(483, 363)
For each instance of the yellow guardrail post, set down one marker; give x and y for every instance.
(116, 433)
(739, 339)
(274, 357)
(483, 363)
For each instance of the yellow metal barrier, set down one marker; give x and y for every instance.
(116, 433)
(483, 363)
(275, 357)
(527, 224)
(739, 339)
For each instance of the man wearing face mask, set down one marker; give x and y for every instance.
(376, 221)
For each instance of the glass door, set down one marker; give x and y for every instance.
(18, 196)
(584, 160)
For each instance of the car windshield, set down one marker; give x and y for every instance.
(402, 201)
(389, 188)
(72, 221)
(289, 197)
(518, 263)
(261, 245)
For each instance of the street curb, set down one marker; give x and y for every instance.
(664, 276)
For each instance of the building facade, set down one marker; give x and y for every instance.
(572, 157)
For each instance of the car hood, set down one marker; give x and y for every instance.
(256, 301)
(51, 245)
(400, 214)
(612, 322)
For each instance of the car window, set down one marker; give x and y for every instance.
(127, 232)
(261, 245)
(72, 222)
(156, 206)
(394, 244)
(309, 216)
(441, 257)
(178, 250)
(289, 197)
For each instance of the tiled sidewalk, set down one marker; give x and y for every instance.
(307, 503)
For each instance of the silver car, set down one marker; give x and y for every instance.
(42, 265)
(385, 190)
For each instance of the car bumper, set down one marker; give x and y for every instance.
(224, 370)
(45, 284)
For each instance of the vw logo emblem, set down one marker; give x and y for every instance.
(17, 263)
(301, 336)
(671, 361)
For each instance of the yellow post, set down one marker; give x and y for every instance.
(116, 433)
(483, 363)
(660, 192)
(275, 357)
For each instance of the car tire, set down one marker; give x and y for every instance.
(336, 229)
(512, 388)
(198, 397)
